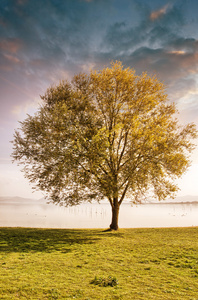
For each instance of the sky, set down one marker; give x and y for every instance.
(44, 41)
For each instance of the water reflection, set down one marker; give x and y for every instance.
(98, 215)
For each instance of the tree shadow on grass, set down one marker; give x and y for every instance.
(44, 240)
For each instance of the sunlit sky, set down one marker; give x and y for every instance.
(44, 41)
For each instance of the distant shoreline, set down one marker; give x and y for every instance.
(177, 200)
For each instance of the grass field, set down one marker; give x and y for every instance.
(62, 264)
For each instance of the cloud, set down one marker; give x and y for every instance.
(11, 45)
(125, 37)
(42, 44)
(21, 110)
(12, 58)
(170, 62)
(177, 52)
(157, 46)
(158, 13)
(59, 32)
(21, 2)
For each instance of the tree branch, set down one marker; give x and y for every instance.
(123, 194)
(123, 149)
(119, 142)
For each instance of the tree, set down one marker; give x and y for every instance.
(107, 135)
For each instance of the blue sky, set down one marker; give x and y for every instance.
(44, 41)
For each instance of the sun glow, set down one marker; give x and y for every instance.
(158, 13)
(177, 52)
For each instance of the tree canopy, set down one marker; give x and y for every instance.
(107, 135)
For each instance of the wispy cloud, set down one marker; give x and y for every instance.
(12, 58)
(159, 13)
(11, 45)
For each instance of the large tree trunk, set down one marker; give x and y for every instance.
(115, 213)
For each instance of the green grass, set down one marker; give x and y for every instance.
(71, 264)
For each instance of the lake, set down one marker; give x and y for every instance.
(98, 215)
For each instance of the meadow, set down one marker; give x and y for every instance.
(146, 263)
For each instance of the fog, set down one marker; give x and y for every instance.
(40, 215)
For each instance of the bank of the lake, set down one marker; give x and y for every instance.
(153, 263)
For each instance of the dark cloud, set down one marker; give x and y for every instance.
(41, 44)
(157, 44)
(149, 33)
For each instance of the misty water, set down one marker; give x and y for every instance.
(98, 215)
